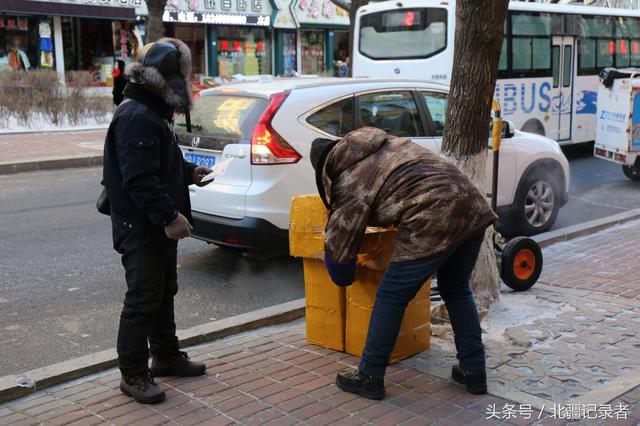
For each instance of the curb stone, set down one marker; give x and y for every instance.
(32, 166)
(48, 376)
(586, 228)
(68, 370)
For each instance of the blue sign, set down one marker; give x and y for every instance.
(635, 134)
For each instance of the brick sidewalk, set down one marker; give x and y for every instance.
(605, 262)
(30, 147)
(269, 376)
(588, 347)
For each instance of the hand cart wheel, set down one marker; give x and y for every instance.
(519, 259)
(520, 263)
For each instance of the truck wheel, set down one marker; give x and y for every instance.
(521, 263)
(632, 172)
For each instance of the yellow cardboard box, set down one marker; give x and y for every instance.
(414, 331)
(325, 316)
(338, 317)
(325, 301)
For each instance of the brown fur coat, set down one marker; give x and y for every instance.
(372, 178)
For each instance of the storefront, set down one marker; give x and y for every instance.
(226, 37)
(67, 34)
(321, 37)
(285, 40)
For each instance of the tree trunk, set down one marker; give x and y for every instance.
(155, 26)
(478, 39)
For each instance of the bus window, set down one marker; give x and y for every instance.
(521, 54)
(635, 53)
(394, 112)
(530, 44)
(566, 67)
(502, 65)
(556, 66)
(623, 57)
(606, 48)
(586, 57)
(403, 33)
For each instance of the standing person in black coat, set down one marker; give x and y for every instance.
(118, 82)
(147, 180)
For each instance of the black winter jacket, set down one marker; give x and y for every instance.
(144, 172)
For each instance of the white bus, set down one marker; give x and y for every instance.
(548, 70)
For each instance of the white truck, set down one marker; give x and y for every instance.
(618, 119)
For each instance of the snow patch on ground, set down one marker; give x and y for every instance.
(516, 309)
(42, 123)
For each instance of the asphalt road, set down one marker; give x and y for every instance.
(598, 188)
(61, 283)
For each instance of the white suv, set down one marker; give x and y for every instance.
(267, 127)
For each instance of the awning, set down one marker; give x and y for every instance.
(32, 7)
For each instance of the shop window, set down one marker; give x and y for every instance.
(245, 51)
(193, 36)
(394, 112)
(312, 45)
(289, 54)
(19, 38)
(336, 119)
(341, 53)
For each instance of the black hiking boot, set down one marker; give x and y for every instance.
(474, 381)
(142, 388)
(176, 364)
(366, 385)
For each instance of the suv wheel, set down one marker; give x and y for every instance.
(536, 203)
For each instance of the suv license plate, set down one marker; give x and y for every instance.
(200, 159)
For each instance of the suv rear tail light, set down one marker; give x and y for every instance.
(267, 146)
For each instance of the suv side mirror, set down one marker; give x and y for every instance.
(507, 129)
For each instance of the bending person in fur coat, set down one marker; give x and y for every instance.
(147, 180)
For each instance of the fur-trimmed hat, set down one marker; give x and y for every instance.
(320, 148)
(164, 68)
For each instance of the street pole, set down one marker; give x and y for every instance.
(59, 48)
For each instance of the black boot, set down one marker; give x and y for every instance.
(175, 364)
(474, 381)
(355, 381)
(142, 388)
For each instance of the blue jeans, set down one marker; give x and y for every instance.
(400, 284)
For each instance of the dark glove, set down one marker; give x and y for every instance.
(198, 173)
(179, 228)
(342, 274)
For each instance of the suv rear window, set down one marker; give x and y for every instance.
(335, 119)
(224, 116)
